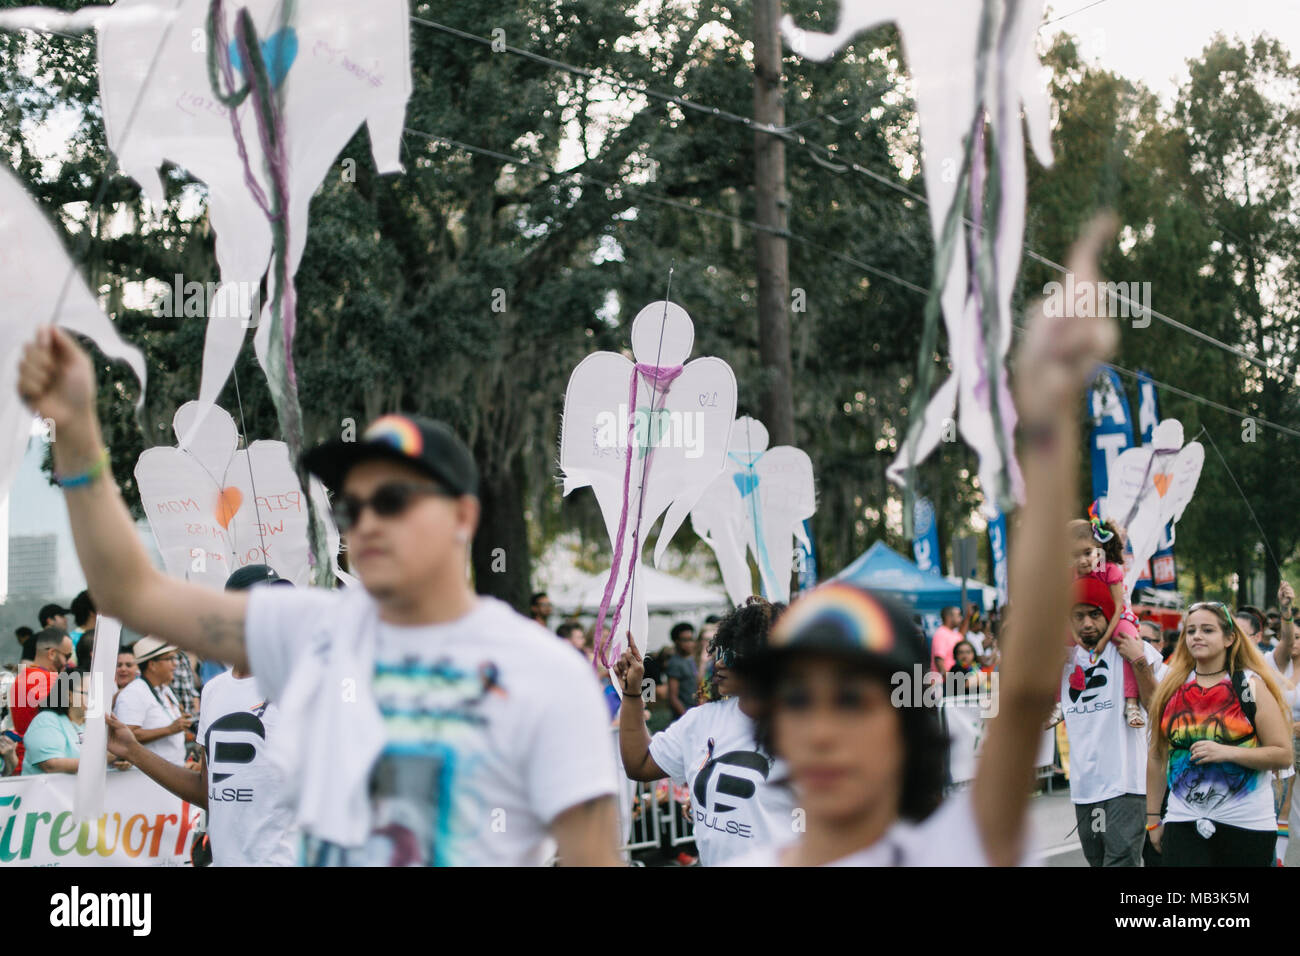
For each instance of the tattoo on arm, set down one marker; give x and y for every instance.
(221, 635)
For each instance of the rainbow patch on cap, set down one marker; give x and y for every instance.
(398, 431)
(855, 614)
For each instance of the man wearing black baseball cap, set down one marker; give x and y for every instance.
(455, 731)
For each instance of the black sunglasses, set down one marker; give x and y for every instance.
(388, 501)
(726, 656)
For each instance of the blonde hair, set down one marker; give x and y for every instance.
(1242, 655)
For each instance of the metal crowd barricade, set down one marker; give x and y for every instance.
(679, 833)
(644, 811)
(642, 821)
(648, 819)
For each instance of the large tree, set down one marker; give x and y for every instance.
(1202, 187)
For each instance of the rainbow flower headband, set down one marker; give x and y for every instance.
(1098, 532)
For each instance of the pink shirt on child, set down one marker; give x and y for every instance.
(1108, 574)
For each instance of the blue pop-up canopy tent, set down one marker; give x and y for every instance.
(884, 570)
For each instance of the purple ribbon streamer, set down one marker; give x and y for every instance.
(228, 74)
(660, 375)
(277, 164)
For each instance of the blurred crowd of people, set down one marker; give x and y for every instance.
(43, 700)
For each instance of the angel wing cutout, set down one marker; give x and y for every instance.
(648, 438)
(1150, 487)
(333, 68)
(758, 503)
(718, 519)
(214, 509)
(941, 43)
(41, 285)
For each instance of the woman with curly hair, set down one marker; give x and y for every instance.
(711, 749)
(1221, 725)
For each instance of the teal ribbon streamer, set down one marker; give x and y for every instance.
(750, 491)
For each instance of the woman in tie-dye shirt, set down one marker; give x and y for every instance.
(1205, 749)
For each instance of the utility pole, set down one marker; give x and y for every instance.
(772, 251)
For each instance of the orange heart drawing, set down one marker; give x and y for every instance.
(228, 502)
(1162, 483)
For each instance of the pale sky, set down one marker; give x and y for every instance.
(1151, 40)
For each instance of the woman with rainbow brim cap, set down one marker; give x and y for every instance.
(843, 704)
(839, 690)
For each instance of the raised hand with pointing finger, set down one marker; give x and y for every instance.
(630, 669)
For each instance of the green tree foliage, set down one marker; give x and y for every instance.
(468, 287)
(1203, 186)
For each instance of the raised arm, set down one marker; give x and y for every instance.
(57, 381)
(1054, 364)
(633, 735)
(1286, 629)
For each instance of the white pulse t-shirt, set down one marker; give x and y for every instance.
(734, 808)
(149, 708)
(1108, 758)
(493, 729)
(947, 837)
(249, 822)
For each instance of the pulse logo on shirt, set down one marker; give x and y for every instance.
(730, 779)
(233, 742)
(1086, 683)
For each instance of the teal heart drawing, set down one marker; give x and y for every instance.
(746, 482)
(279, 50)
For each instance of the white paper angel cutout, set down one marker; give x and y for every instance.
(41, 286)
(334, 70)
(214, 509)
(718, 519)
(941, 43)
(759, 503)
(675, 451)
(1150, 486)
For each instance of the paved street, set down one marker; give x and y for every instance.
(1053, 820)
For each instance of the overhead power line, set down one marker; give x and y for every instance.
(819, 152)
(794, 237)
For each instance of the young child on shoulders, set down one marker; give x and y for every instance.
(1098, 549)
